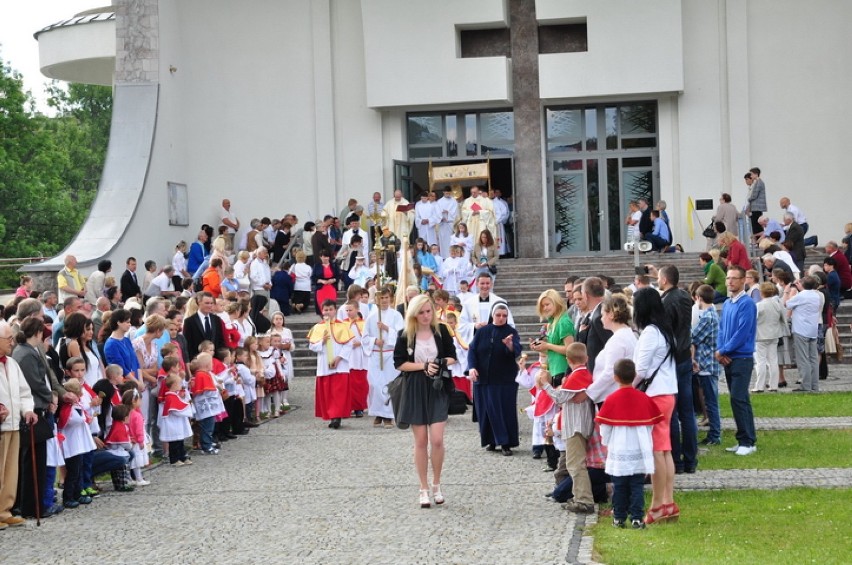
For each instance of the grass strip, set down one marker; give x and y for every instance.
(794, 405)
(787, 449)
(790, 526)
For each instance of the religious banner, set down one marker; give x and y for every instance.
(452, 174)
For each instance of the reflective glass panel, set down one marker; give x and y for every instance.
(472, 140)
(425, 129)
(569, 213)
(593, 198)
(638, 118)
(451, 136)
(591, 119)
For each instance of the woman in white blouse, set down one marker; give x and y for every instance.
(615, 315)
(654, 359)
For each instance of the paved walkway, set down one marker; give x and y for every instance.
(294, 490)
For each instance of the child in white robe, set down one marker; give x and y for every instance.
(176, 414)
(626, 419)
(383, 325)
(332, 340)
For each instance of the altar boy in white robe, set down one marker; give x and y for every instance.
(426, 219)
(448, 212)
(381, 369)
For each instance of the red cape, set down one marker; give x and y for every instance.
(629, 407)
(579, 379)
(118, 433)
(174, 402)
(202, 382)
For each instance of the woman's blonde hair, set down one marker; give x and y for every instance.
(556, 299)
(727, 237)
(417, 303)
(155, 323)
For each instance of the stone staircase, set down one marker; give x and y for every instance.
(521, 281)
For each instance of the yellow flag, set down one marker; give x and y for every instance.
(690, 212)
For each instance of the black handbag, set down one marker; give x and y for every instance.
(395, 389)
(645, 383)
(709, 232)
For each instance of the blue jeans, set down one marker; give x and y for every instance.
(710, 387)
(684, 430)
(738, 376)
(564, 491)
(48, 498)
(628, 495)
(86, 478)
(207, 426)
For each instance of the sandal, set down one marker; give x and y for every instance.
(655, 515)
(424, 498)
(437, 494)
(671, 511)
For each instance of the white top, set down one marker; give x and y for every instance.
(392, 319)
(179, 263)
(798, 216)
(161, 283)
(78, 436)
(303, 273)
(651, 349)
(230, 216)
(785, 256)
(630, 450)
(259, 274)
(240, 269)
(805, 308)
(619, 346)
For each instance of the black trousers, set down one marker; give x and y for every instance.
(177, 451)
(71, 488)
(236, 414)
(29, 478)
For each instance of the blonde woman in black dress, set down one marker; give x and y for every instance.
(420, 348)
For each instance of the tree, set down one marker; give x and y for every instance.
(49, 166)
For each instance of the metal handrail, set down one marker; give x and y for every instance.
(19, 261)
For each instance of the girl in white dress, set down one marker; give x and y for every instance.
(463, 240)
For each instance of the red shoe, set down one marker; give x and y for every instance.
(671, 511)
(655, 515)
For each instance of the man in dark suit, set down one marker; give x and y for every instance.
(203, 325)
(129, 283)
(795, 240)
(591, 331)
(684, 431)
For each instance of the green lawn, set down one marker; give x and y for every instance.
(793, 449)
(792, 526)
(794, 405)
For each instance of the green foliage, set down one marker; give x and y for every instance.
(49, 166)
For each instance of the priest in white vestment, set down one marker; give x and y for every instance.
(478, 213)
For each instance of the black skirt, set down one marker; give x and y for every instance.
(421, 403)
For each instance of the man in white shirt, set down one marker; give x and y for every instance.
(477, 310)
(800, 218)
(354, 223)
(229, 220)
(161, 285)
(259, 273)
(805, 312)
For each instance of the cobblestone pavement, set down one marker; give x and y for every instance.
(293, 490)
(296, 491)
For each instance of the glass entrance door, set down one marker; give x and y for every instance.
(591, 182)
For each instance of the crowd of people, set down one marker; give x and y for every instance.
(107, 373)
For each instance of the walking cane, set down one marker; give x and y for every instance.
(35, 476)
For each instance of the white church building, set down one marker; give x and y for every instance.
(578, 106)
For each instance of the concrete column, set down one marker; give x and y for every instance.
(137, 46)
(528, 191)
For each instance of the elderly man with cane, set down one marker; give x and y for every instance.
(16, 404)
